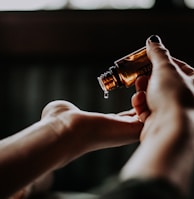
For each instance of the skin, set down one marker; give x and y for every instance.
(63, 134)
(164, 102)
(162, 119)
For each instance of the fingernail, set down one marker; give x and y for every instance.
(154, 39)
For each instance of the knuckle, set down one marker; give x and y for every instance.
(162, 51)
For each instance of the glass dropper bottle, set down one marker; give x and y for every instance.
(125, 71)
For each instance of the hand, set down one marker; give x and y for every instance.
(91, 131)
(171, 86)
(165, 104)
(63, 134)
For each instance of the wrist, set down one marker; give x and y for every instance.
(70, 129)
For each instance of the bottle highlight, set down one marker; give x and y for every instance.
(125, 71)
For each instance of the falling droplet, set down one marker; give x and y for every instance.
(106, 95)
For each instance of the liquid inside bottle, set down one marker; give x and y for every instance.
(125, 71)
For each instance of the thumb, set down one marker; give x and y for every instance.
(164, 79)
(158, 54)
(164, 71)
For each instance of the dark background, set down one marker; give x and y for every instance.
(49, 55)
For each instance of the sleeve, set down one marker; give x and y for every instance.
(143, 189)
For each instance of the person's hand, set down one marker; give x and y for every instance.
(86, 131)
(165, 104)
(170, 88)
(63, 133)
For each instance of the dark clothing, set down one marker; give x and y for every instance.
(144, 189)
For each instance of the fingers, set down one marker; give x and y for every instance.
(163, 65)
(165, 79)
(141, 83)
(161, 76)
(185, 68)
(165, 83)
(127, 113)
(162, 60)
(139, 102)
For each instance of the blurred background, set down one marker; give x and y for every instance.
(56, 49)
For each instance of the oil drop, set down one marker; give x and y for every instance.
(106, 94)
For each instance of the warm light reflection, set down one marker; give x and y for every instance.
(109, 4)
(74, 4)
(189, 3)
(32, 4)
(88, 4)
(123, 4)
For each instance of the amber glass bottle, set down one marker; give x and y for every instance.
(125, 71)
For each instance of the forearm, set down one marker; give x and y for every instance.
(64, 134)
(30, 153)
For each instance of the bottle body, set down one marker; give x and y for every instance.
(125, 71)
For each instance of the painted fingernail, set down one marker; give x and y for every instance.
(154, 39)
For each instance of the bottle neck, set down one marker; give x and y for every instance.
(110, 79)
